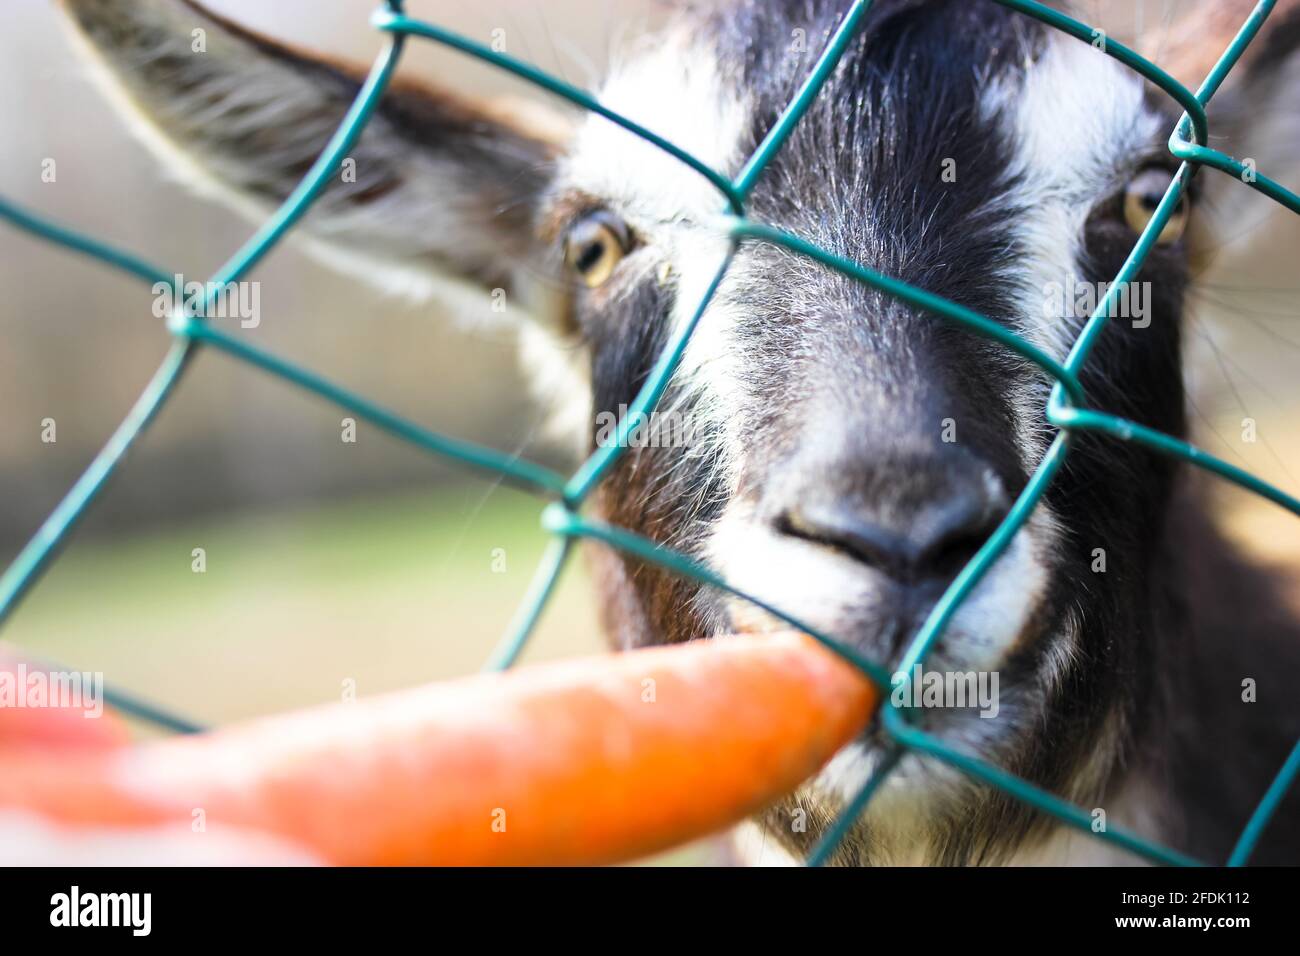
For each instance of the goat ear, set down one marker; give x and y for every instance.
(436, 187)
(1240, 236)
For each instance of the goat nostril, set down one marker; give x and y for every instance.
(936, 543)
(870, 543)
(947, 556)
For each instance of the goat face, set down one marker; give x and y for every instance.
(834, 451)
(850, 454)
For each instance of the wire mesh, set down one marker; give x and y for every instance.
(1066, 411)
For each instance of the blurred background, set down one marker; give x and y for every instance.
(369, 562)
(330, 562)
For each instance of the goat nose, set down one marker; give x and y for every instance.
(930, 540)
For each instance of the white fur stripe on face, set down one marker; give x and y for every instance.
(1076, 118)
(671, 85)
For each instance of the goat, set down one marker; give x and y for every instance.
(847, 454)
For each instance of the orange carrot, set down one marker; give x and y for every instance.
(586, 761)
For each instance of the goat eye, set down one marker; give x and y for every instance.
(594, 245)
(1141, 198)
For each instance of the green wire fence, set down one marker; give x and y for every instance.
(563, 518)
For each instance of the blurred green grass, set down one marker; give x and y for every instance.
(386, 593)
